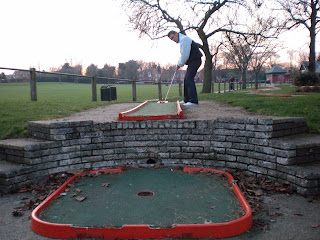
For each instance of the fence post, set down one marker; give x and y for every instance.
(229, 86)
(94, 88)
(219, 86)
(180, 88)
(33, 84)
(224, 86)
(159, 90)
(134, 90)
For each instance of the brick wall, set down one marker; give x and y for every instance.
(251, 144)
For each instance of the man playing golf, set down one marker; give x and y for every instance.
(191, 56)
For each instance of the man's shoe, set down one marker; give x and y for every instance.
(189, 104)
(182, 102)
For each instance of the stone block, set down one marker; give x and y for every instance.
(235, 139)
(171, 137)
(267, 164)
(303, 182)
(266, 150)
(87, 147)
(283, 161)
(103, 139)
(180, 155)
(180, 131)
(219, 150)
(69, 161)
(225, 132)
(225, 157)
(199, 143)
(221, 144)
(242, 146)
(263, 135)
(90, 159)
(236, 152)
(246, 160)
(285, 153)
(192, 149)
(162, 155)
(244, 134)
(262, 156)
(277, 174)
(192, 137)
(308, 191)
(103, 152)
(257, 169)
(237, 165)
(204, 156)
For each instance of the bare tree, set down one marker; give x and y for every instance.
(239, 51)
(304, 13)
(155, 18)
(266, 48)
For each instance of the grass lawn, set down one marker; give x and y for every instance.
(60, 99)
(305, 105)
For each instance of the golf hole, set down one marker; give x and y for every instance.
(145, 194)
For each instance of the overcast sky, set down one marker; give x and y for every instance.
(47, 33)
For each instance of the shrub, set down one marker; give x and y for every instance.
(306, 79)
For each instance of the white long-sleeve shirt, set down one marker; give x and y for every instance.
(185, 48)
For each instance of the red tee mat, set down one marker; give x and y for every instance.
(210, 230)
(123, 116)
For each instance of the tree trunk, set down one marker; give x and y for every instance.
(256, 80)
(312, 47)
(244, 79)
(207, 74)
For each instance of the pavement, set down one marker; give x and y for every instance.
(287, 217)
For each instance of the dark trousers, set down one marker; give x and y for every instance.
(190, 91)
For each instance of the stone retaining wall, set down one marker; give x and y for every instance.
(251, 144)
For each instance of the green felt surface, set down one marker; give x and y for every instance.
(155, 109)
(179, 198)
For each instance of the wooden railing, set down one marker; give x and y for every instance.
(33, 83)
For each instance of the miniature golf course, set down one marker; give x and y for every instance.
(145, 203)
(153, 111)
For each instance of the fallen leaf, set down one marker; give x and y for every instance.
(78, 190)
(275, 214)
(17, 213)
(282, 189)
(298, 214)
(258, 192)
(315, 225)
(80, 198)
(105, 184)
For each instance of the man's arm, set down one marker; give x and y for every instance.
(185, 48)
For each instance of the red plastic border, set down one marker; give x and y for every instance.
(123, 116)
(211, 230)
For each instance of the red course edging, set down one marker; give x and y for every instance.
(210, 230)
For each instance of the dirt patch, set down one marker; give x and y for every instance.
(206, 110)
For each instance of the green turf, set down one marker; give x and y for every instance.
(156, 109)
(179, 198)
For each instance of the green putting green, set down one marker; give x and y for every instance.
(158, 197)
(156, 109)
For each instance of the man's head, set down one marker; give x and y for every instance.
(174, 36)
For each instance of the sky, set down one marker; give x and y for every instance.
(48, 33)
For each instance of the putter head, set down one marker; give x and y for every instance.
(162, 102)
